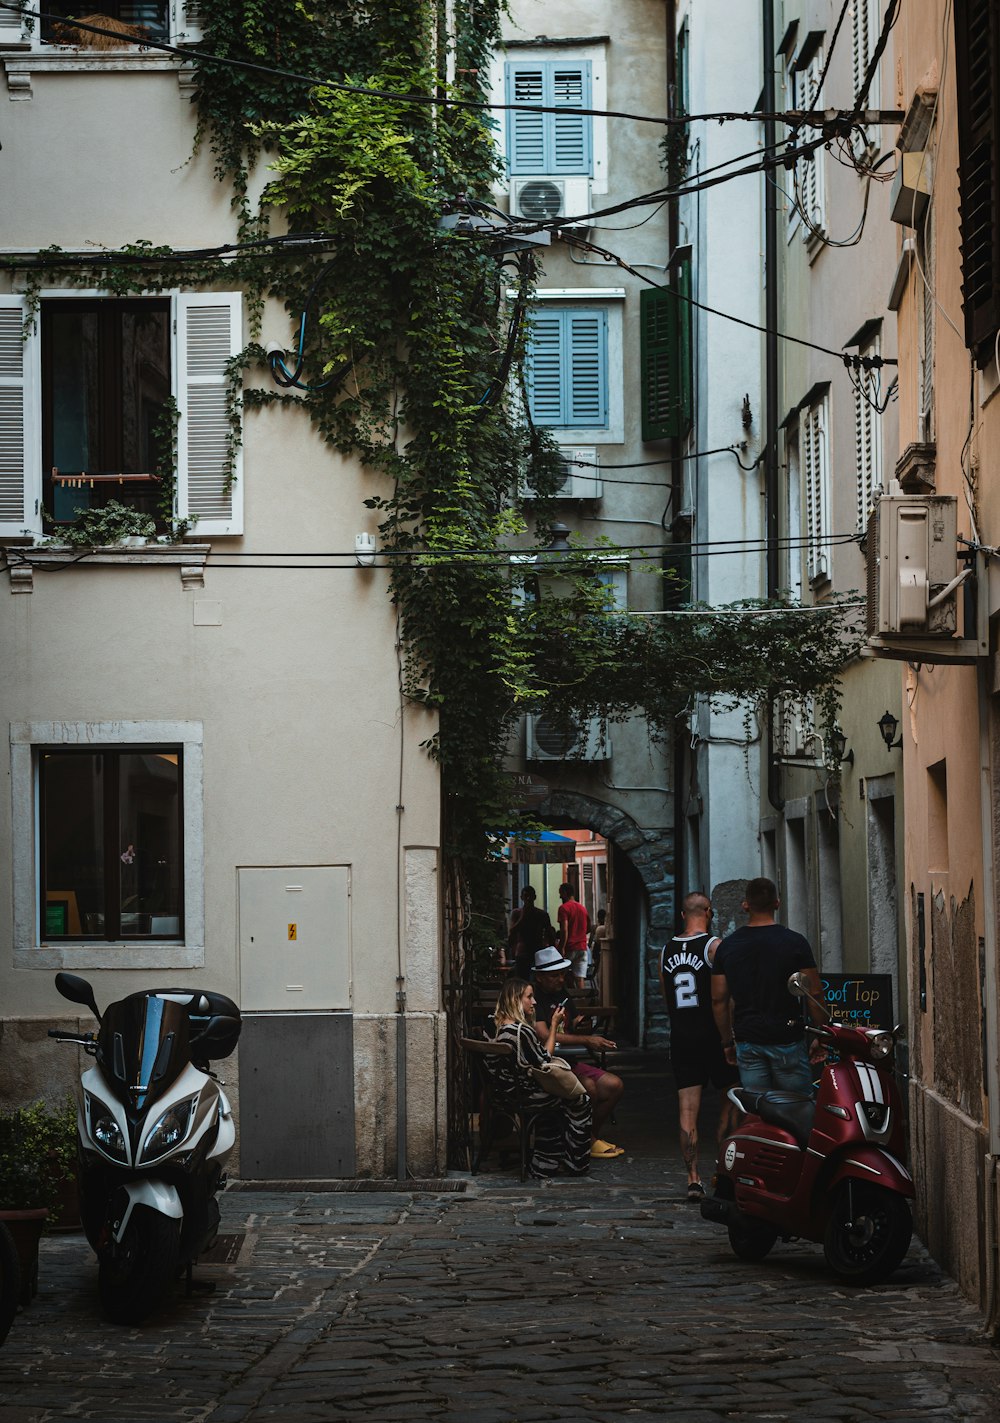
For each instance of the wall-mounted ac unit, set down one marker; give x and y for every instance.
(582, 478)
(912, 554)
(550, 738)
(542, 199)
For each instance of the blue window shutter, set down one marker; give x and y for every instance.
(588, 369)
(549, 143)
(545, 369)
(570, 132)
(567, 369)
(526, 133)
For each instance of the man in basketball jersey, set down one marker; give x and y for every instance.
(696, 1053)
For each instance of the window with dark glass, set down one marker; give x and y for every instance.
(133, 19)
(106, 383)
(112, 864)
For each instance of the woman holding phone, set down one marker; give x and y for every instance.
(562, 1134)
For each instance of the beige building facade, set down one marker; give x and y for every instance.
(947, 80)
(211, 779)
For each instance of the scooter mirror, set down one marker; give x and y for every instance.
(218, 1037)
(798, 985)
(77, 990)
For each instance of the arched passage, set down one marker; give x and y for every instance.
(645, 868)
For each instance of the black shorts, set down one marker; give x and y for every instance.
(700, 1062)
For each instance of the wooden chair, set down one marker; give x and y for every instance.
(494, 1104)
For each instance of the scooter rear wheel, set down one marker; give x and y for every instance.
(868, 1233)
(135, 1277)
(752, 1239)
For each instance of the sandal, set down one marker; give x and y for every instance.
(605, 1150)
(696, 1191)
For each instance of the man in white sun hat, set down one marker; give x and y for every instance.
(604, 1088)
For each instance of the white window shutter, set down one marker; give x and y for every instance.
(11, 28)
(209, 475)
(868, 438)
(816, 473)
(20, 424)
(811, 195)
(187, 21)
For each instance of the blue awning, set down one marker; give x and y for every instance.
(539, 847)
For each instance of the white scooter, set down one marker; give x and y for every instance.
(154, 1132)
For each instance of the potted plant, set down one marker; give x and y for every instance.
(37, 1177)
(103, 527)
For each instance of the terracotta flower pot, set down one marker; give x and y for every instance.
(26, 1230)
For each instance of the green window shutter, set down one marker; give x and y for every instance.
(665, 352)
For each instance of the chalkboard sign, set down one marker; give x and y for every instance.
(859, 1000)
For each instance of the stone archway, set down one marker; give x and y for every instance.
(651, 853)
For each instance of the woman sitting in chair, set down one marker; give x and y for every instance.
(562, 1131)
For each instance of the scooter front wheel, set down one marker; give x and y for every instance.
(135, 1275)
(868, 1233)
(751, 1239)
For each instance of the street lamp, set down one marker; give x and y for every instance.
(836, 743)
(888, 726)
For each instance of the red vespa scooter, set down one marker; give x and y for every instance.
(828, 1169)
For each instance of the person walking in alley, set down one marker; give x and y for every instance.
(530, 930)
(573, 927)
(696, 1054)
(759, 1021)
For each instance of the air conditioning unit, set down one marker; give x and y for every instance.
(912, 554)
(543, 199)
(550, 738)
(582, 479)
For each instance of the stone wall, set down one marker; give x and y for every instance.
(651, 851)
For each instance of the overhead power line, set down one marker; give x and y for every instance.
(436, 101)
(726, 315)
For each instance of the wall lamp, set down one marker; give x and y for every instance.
(888, 726)
(836, 743)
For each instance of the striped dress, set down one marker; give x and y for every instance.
(562, 1134)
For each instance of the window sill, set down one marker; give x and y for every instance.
(22, 560)
(20, 64)
(91, 956)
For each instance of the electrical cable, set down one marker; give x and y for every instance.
(487, 558)
(436, 101)
(740, 321)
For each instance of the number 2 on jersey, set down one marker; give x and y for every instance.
(686, 989)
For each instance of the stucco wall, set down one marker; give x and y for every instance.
(289, 673)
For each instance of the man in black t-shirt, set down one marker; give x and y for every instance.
(530, 930)
(759, 1021)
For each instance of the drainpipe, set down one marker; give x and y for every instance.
(770, 366)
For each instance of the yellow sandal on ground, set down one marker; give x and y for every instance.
(606, 1149)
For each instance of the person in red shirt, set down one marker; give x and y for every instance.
(574, 926)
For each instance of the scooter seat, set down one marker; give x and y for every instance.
(793, 1111)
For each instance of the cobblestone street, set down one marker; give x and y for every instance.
(604, 1299)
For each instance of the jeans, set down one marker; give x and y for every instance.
(766, 1065)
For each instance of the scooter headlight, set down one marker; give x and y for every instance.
(880, 1044)
(105, 1131)
(169, 1130)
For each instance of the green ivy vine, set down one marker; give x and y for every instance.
(406, 347)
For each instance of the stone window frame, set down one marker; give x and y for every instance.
(30, 950)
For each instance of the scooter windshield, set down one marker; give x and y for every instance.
(143, 1046)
